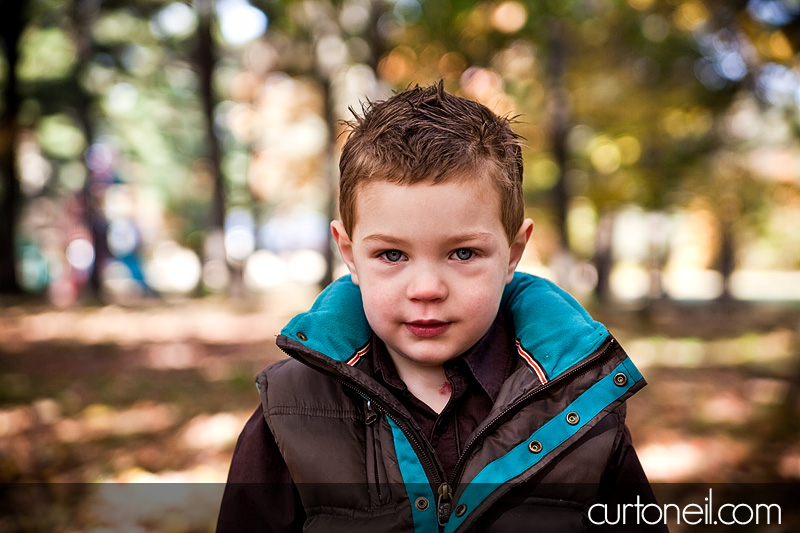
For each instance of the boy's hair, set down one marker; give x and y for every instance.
(427, 134)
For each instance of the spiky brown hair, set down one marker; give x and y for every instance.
(428, 134)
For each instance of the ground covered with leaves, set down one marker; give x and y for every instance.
(122, 419)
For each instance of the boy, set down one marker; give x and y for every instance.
(434, 389)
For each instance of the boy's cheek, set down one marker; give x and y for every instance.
(374, 297)
(378, 316)
(377, 303)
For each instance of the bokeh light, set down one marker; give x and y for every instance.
(509, 16)
(240, 22)
(172, 269)
(175, 20)
(80, 253)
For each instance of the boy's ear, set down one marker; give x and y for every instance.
(518, 246)
(345, 247)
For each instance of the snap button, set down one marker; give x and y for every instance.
(620, 379)
(573, 418)
(535, 446)
(302, 336)
(421, 503)
(461, 510)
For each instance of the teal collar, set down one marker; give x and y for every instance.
(554, 332)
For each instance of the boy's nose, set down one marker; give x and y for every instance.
(427, 286)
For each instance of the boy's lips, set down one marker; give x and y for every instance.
(427, 328)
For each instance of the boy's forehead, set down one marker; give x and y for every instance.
(465, 199)
(477, 182)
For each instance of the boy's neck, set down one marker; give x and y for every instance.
(428, 383)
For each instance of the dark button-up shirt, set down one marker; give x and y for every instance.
(475, 380)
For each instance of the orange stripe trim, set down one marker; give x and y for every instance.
(532, 363)
(358, 355)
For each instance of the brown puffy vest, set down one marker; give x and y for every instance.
(360, 463)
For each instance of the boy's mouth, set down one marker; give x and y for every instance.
(427, 328)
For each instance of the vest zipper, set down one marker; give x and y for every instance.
(444, 492)
(444, 503)
(370, 417)
(370, 412)
(412, 439)
(422, 452)
(582, 367)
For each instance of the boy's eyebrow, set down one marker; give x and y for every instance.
(455, 239)
(471, 236)
(383, 239)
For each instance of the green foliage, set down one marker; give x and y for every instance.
(59, 136)
(635, 91)
(120, 27)
(47, 54)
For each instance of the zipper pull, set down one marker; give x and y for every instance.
(444, 503)
(370, 414)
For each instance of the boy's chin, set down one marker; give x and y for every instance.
(429, 358)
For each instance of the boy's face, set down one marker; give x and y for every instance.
(431, 262)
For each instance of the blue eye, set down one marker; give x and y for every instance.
(464, 254)
(393, 256)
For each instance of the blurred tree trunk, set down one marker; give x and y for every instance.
(730, 209)
(206, 60)
(331, 174)
(559, 122)
(559, 112)
(82, 14)
(603, 256)
(12, 22)
(727, 260)
(377, 47)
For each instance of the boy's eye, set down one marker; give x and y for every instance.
(393, 255)
(463, 254)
